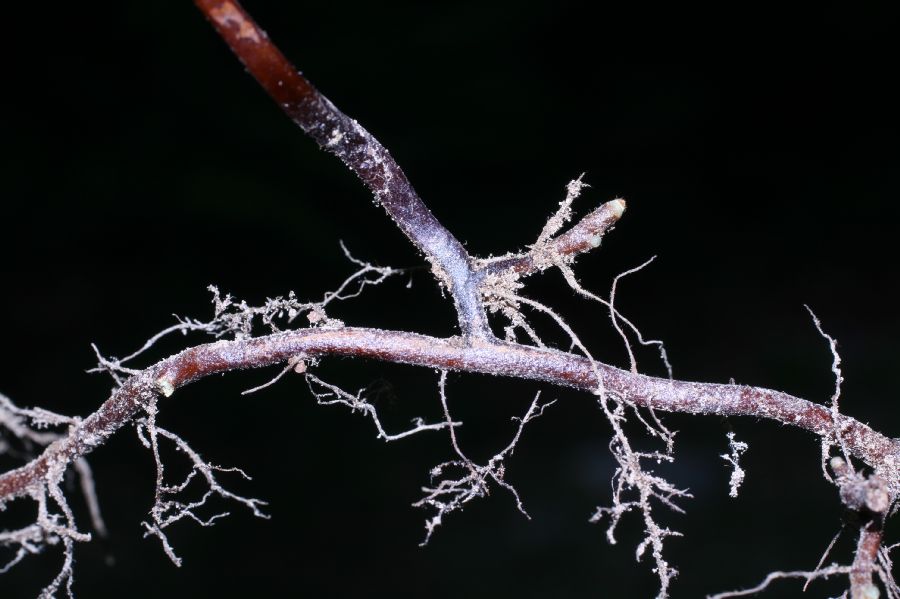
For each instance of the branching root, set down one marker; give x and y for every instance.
(456, 482)
(22, 431)
(167, 507)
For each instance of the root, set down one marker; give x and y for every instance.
(832, 570)
(50, 528)
(838, 435)
(167, 508)
(448, 492)
(327, 394)
(237, 319)
(737, 448)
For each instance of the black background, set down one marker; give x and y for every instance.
(756, 147)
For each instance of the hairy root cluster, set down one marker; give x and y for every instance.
(27, 430)
(637, 488)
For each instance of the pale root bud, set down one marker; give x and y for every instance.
(164, 385)
(878, 498)
(868, 591)
(298, 363)
(838, 465)
(618, 207)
